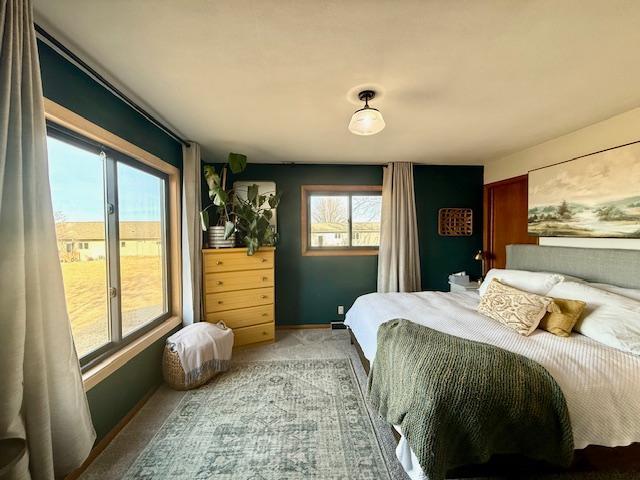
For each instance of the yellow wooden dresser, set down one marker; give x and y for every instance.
(239, 290)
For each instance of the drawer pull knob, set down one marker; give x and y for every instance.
(263, 260)
(219, 302)
(265, 314)
(219, 262)
(219, 282)
(264, 333)
(264, 279)
(263, 296)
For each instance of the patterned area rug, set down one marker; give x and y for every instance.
(291, 419)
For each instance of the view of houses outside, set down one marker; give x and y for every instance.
(77, 191)
(330, 221)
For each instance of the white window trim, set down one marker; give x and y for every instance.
(62, 116)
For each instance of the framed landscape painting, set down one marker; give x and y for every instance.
(597, 195)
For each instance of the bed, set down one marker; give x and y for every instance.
(601, 385)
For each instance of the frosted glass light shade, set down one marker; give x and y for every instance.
(366, 121)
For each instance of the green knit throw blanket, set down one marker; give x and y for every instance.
(459, 402)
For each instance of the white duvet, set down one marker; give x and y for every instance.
(601, 385)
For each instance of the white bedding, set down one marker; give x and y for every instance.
(601, 385)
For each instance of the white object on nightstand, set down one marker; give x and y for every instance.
(464, 287)
(460, 278)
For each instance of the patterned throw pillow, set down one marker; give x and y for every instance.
(516, 309)
(561, 323)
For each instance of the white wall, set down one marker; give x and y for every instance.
(618, 130)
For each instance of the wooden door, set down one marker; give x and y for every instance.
(505, 218)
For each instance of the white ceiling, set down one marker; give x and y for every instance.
(462, 81)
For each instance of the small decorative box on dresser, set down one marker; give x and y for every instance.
(239, 290)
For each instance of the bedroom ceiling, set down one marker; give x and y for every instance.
(459, 81)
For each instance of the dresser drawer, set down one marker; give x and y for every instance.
(218, 302)
(226, 281)
(243, 317)
(257, 333)
(217, 261)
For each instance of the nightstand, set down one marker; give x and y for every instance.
(464, 287)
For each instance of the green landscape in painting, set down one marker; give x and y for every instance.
(593, 196)
(614, 219)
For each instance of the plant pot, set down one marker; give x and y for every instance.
(216, 238)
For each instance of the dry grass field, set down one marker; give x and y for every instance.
(86, 292)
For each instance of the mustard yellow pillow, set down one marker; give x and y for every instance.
(561, 322)
(516, 309)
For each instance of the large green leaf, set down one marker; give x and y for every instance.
(229, 229)
(241, 210)
(237, 162)
(212, 179)
(274, 200)
(252, 193)
(220, 197)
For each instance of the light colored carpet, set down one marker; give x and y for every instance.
(130, 444)
(295, 419)
(129, 449)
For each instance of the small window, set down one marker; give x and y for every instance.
(341, 220)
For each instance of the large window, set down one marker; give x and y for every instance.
(341, 220)
(112, 231)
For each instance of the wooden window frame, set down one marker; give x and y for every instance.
(307, 250)
(70, 120)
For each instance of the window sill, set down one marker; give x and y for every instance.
(99, 372)
(336, 252)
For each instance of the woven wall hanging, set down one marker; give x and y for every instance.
(455, 222)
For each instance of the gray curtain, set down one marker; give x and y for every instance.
(191, 235)
(45, 425)
(399, 256)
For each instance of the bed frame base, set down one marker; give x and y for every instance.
(590, 459)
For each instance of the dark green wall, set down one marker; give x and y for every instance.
(68, 86)
(309, 289)
(116, 395)
(447, 187)
(63, 83)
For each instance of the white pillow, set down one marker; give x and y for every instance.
(611, 319)
(534, 282)
(625, 292)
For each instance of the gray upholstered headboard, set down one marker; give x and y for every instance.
(616, 267)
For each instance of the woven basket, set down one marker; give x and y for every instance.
(174, 373)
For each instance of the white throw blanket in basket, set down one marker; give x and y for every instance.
(202, 347)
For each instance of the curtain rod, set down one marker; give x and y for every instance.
(49, 39)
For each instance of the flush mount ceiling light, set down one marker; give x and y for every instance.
(367, 120)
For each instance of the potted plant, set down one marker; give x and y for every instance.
(220, 235)
(253, 216)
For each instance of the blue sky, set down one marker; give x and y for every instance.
(77, 187)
